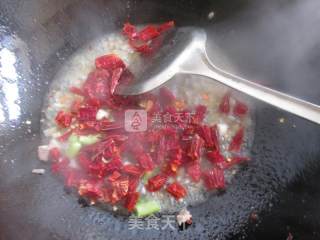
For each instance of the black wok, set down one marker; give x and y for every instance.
(274, 42)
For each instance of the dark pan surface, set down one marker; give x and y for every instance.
(37, 207)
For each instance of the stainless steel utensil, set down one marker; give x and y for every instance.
(184, 52)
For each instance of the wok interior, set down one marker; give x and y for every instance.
(40, 35)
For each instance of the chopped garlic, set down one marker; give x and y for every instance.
(143, 190)
(223, 128)
(281, 120)
(43, 153)
(211, 15)
(39, 171)
(183, 216)
(73, 163)
(102, 114)
(105, 160)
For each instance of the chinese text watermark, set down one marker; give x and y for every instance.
(152, 222)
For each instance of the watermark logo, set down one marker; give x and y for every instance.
(135, 120)
(152, 222)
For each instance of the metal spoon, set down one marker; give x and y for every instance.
(183, 51)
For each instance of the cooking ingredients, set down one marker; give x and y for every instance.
(180, 158)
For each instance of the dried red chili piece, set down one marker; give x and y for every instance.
(131, 201)
(60, 165)
(166, 26)
(97, 85)
(215, 157)
(166, 96)
(105, 125)
(195, 147)
(172, 166)
(140, 47)
(205, 133)
(93, 102)
(111, 151)
(176, 190)
(224, 106)
(188, 132)
(114, 164)
(109, 62)
(215, 137)
(63, 119)
(89, 127)
(107, 193)
(214, 179)
(133, 184)
(132, 170)
(114, 176)
(54, 154)
(156, 183)
(148, 33)
(194, 171)
(240, 109)
(120, 189)
(91, 189)
(130, 31)
(199, 114)
(237, 140)
(175, 153)
(87, 114)
(145, 161)
(148, 40)
(155, 45)
(98, 169)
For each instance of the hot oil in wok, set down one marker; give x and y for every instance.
(193, 90)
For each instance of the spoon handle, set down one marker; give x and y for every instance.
(278, 99)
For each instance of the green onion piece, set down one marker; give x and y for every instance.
(73, 138)
(146, 208)
(89, 139)
(73, 149)
(142, 199)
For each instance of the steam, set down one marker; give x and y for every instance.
(274, 42)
